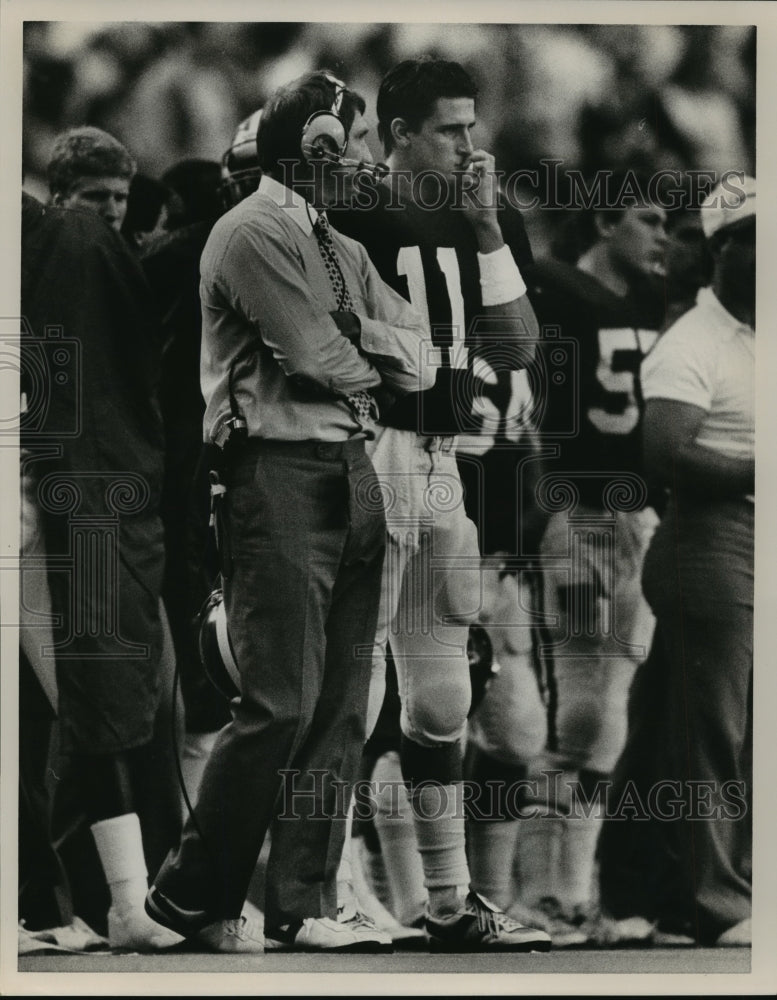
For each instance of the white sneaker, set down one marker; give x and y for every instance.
(363, 924)
(382, 919)
(237, 935)
(355, 934)
(240, 936)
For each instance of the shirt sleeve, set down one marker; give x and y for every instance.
(268, 286)
(395, 337)
(680, 367)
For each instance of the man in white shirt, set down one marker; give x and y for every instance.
(692, 870)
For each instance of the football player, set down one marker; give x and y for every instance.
(434, 230)
(89, 169)
(604, 312)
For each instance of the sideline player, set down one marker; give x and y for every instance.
(89, 169)
(434, 232)
(607, 308)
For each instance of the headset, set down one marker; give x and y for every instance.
(324, 137)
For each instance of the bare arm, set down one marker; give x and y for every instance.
(674, 459)
(517, 322)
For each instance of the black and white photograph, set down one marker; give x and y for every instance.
(388, 596)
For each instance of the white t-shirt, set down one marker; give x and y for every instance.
(707, 359)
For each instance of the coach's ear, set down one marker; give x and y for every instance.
(400, 133)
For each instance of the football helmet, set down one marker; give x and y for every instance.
(240, 171)
(216, 653)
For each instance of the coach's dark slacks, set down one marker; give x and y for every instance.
(691, 724)
(306, 532)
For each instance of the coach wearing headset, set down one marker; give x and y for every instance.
(300, 335)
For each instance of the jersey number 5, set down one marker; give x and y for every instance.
(620, 354)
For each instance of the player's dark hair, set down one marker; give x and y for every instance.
(147, 197)
(196, 182)
(412, 87)
(86, 152)
(283, 117)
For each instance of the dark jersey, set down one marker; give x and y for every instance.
(586, 388)
(430, 257)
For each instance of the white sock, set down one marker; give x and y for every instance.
(491, 853)
(537, 858)
(398, 843)
(577, 863)
(120, 847)
(438, 812)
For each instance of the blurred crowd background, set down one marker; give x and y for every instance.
(593, 96)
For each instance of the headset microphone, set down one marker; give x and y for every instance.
(319, 153)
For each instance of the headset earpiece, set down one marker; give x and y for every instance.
(323, 136)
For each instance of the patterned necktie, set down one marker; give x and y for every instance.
(362, 403)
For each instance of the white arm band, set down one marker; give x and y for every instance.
(500, 279)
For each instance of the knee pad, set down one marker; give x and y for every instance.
(592, 706)
(511, 722)
(438, 715)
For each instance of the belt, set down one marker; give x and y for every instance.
(315, 449)
(436, 442)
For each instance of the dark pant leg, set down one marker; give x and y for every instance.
(305, 852)
(710, 711)
(631, 862)
(304, 856)
(44, 892)
(699, 580)
(288, 519)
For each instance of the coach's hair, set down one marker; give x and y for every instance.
(410, 89)
(86, 152)
(279, 136)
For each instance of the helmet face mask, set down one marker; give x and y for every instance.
(240, 171)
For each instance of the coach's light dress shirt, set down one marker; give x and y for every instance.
(266, 298)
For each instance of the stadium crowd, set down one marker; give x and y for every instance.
(387, 529)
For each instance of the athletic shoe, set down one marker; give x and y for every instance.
(364, 925)
(238, 935)
(322, 934)
(479, 925)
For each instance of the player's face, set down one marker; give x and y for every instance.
(443, 141)
(107, 196)
(357, 140)
(638, 240)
